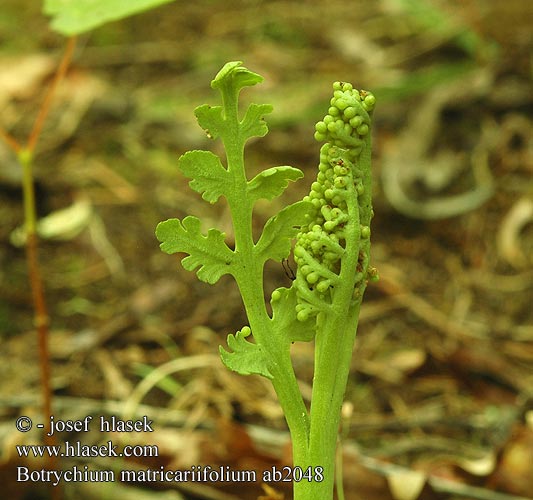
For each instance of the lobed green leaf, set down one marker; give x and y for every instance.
(272, 182)
(247, 358)
(210, 253)
(211, 120)
(253, 124)
(209, 177)
(275, 241)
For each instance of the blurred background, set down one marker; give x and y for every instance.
(439, 403)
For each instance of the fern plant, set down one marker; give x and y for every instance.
(332, 230)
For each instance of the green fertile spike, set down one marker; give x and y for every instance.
(340, 193)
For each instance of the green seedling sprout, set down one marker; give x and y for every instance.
(332, 230)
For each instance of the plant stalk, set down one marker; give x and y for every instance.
(41, 318)
(251, 288)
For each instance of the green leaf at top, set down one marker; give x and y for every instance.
(230, 80)
(275, 241)
(210, 253)
(247, 358)
(235, 76)
(209, 177)
(72, 17)
(272, 182)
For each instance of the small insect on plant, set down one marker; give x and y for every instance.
(288, 269)
(331, 227)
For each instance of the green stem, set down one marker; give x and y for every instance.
(336, 331)
(250, 282)
(284, 378)
(334, 346)
(25, 158)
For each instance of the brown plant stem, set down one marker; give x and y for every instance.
(41, 317)
(41, 321)
(25, 156)
(45, 106)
